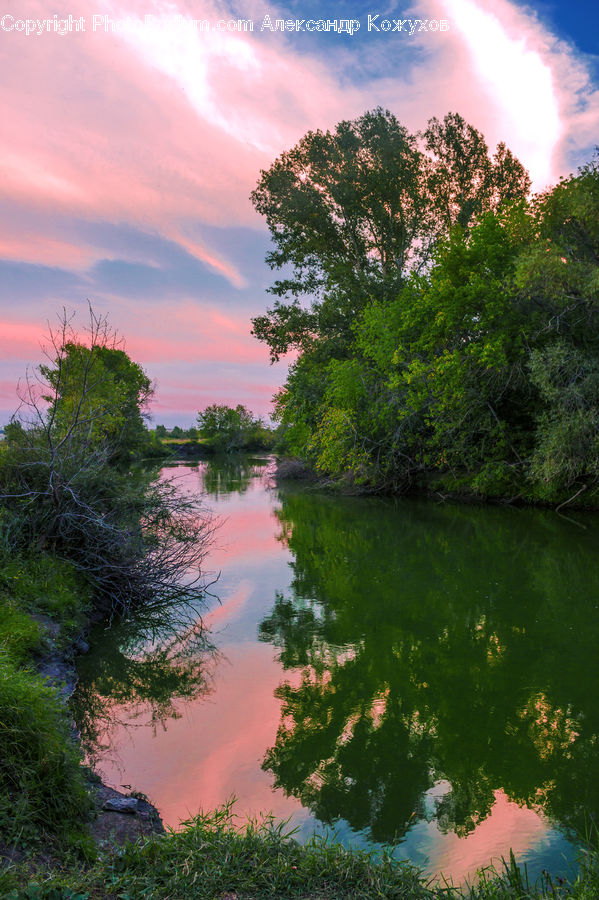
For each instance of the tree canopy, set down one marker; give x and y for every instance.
(353, 212)
(451, 337)
(103, 389)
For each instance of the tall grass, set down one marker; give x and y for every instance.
(42, 792)
(41, 784)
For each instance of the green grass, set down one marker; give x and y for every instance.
(41, 783)
(20, 635)
(211, 859)
(42, 792)
(42, 584)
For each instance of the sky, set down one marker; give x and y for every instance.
(131, 139)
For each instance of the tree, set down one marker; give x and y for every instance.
(354, 211)
(558, 277)
(134, 537)
(463, 180)
(113, 403)
(229, 428)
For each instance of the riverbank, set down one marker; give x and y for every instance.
(434, 486)
(49, 802)
(211, 858)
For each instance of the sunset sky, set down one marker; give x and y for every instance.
(128, 156)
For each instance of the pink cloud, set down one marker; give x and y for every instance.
(182, 335)
(153, 131)
(166, 133)
(165, 128)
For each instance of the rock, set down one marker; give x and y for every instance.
(109, 828)
(59, 674)
(121, 805)
(81, 646)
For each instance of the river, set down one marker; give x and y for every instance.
(403, 674)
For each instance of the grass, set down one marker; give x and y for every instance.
(42, 789)
(41, 783)
(20, 635)
(168, 440)
(40, 584)
(211, 859)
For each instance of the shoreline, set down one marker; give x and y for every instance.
(118, 817)
(294, 470)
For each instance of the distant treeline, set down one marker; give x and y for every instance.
(223, 429)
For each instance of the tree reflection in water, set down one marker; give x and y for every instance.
(232, 473)
(142, 667)
(434, 642)
(138, 671)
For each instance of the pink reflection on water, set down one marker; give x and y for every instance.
(214, 750)
(508, 826)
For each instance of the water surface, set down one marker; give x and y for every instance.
(402, 673)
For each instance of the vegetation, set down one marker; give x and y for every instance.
(211, 858)
(176, 433)
(451, 342)
(227, 429)
(42, 790)
(79, 529)
(65, 489)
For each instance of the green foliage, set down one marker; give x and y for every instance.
(567, 451)
(228, 429)
(353, 211)
(103, 390)
(65, 491)
(41, 785)
(20, 635)
(478, 370)
(42, 583)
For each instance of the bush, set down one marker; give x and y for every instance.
(65, 491)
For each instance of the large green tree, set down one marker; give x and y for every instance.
(451, 336)
(352, 211)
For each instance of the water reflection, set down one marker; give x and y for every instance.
(233, 473)
(435, 642)
(138, 670)
(426, 675)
